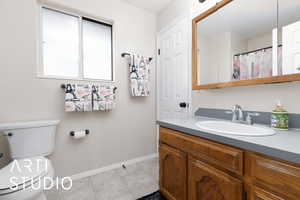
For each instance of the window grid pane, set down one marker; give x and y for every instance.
(60, 44)
(97, 50)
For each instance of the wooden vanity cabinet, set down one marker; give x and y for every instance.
(194, 168)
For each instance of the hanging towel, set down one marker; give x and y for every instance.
(139, 76)
(103, 97)
(78, 98)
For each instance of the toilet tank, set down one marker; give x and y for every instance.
(30, 139)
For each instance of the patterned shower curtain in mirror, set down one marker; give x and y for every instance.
(257, 64)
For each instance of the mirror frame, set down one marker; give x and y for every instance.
(255, 81)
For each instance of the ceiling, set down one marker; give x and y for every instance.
(150, 5)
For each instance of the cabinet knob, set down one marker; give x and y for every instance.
(183, 105)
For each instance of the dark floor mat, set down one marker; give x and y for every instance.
(153, 196)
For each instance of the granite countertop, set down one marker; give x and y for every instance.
(284, 145)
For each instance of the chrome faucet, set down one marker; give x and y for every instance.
(240, 111)
(238, 115)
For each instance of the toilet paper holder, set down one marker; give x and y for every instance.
(72, 133)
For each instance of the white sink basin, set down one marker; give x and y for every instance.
(230, 128)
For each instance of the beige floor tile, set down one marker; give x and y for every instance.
(81, 190)
(135, 181)
(110, 186)
(53, 194)
(139, 182)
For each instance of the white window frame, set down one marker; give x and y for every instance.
(40, 67)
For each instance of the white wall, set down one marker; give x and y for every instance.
(238, 44)
(224, 58)
(260, 41)
(214, 56)
(260, 98)
(208, 64)
(125, 133)
(175, 9)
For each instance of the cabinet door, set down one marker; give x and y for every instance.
(173, 178)
(208, 183)
(260, 194)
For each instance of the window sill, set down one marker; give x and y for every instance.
(74, 79)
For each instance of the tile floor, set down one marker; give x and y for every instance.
(135, 181)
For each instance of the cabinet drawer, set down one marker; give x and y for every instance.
(278, 176)
(260, 194)
(223, 156)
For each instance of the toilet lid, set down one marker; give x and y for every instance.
(23, 171)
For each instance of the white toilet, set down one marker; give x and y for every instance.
(29, 143)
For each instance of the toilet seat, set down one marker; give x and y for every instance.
(23, 173)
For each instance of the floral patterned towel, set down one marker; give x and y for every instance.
(103, 97)
(139, 76)
(78, 98)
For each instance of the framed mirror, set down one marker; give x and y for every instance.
(246, 42)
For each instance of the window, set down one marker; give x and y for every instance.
(75, 47)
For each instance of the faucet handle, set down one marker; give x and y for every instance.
(253, 114)
(249, 118)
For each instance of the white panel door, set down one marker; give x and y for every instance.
(173, 70)
(291, 48)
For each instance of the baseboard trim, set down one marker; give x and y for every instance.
(112, 167)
